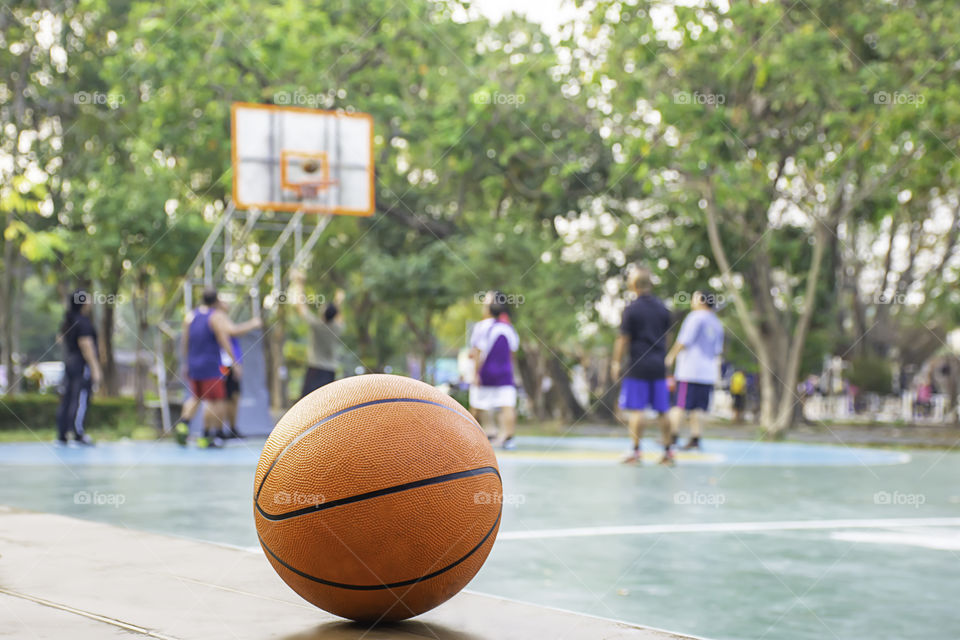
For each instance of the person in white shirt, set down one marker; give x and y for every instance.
(698, 346)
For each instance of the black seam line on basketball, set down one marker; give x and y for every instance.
(426, 482)
(392, 585)
(340, 413)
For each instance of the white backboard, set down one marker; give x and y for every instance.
(296, 159)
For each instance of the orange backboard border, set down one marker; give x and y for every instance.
(293, 206)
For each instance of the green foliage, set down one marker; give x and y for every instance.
(871, 374)
(504, 159)
(36, 410)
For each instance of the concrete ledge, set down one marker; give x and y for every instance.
(66, 578)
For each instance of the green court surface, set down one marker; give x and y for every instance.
(742, 540)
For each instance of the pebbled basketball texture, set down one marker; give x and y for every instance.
(377, 497)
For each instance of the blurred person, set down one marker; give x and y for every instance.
(695, 353)
(231, 374)
(738, 391)
(643, 337)
(81, 369)
(493, 343)
(323, 337)
(206, 332)
(925, 398)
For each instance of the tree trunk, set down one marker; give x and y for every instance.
(11, 248)
(276, 366)
(561, 383)
(361, 321)
(786, 411)
(141, 306)
(531, 380)
(425, 342)
(8, 299)
(768, 338)
(105, 340)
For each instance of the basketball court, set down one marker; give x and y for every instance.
(711, 548)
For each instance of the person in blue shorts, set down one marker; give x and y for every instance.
(696, 354)
(643, 336)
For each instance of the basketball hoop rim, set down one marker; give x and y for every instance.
(303, 188)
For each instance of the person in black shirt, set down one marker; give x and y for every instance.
(81, 368)
(643, 334)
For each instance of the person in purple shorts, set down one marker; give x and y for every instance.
(643, 336)
(493, 342)
(696, 352)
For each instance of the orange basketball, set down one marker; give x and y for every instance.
(377, 497)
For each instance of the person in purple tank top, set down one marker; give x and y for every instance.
(207, 330)
(231, 374)
(493, 342)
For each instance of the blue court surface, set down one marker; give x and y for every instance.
(741, 540)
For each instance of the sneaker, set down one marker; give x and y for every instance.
(61, 442)
(84, 441)
(204, 442)
(693, 443)
(509, 444)
(180, 432)
(633, 458)
(668, 459)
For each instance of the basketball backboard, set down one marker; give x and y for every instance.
(297, 159)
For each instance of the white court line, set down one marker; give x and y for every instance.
(727, 527)
(939, 539)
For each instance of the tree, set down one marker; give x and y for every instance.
(766, 127)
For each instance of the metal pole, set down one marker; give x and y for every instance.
(252, 216)
(208, 267)
(204, 250)
(275, 249)
(277, 276)
(162, 382)
(303, 254)
(255, 303)
(298, 238)
(227, 247)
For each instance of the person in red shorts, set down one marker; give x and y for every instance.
(206, 331)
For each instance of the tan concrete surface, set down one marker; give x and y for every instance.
(66, 578)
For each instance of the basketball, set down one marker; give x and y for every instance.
(377, 497)
(311, 166)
